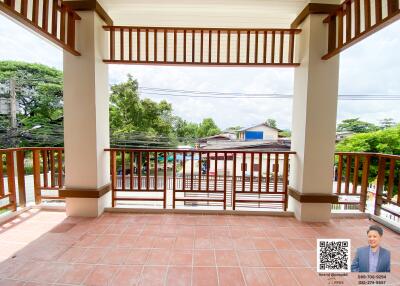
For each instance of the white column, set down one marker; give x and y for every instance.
(314, 120)
(86, 119)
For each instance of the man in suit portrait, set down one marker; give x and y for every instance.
(372, 258)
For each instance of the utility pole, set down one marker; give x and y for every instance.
(13, 103)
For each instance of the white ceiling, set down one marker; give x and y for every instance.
(206, 13)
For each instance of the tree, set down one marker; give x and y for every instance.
(207, 128)
(356, 125)
(387, 123)
(185, 131)
(129, 113)
(271, 123)
(285, 133)
(40, 102)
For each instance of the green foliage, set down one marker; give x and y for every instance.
(357, 126)
(271, 123)
(285, 133)
(383, 141)
(207, 128)
(387, 123)
(39, 94)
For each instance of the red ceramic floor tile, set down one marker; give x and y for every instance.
(144, 241)
(137, 256)
(126, 240)
(105, 240)
(75, 273)
(92, 255)
(101, 275)
(306, 276)
(282, 277)
(9, 282)
(256, 277)
(179, 276)
(158, 257)
(205, 276)
(230, 276)
(282, 244)
(153, 275)
(292, 258)
(204, 258)
(116, 229)
(164, 242)
(310, 257)
(203, 243)
(184, 243)
(243, 244)
(181, 257)
(226, 258)
(115, 256)
(223, 243)
(270, 259)
(249, 258)
(71, 255)
(262, 244)
(129, 275)
(303, 244)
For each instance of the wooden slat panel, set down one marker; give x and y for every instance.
(11, 180)
(248, 47)
(121, 38)
(378, 11)
(340, 28)
(155, 45)
(273, 47)
(209, 45)
(165, 181)
(147, 45)
(380, 182)
(238, 48)
(24, 8)
(215, 171)
(35, 11)
(201, 45)
(130, 44)
(281, 48)
(54, 18)
(256, 47)
(243, 171)
(291, 47)
(193, 45)
(332, 35)
(165, 45)
(62, 23)
(393, 6)
(228, 48)
(348, 21)
(218, 46)
(357, 12)
(184, 46)
(175, 46)
(138, 44)
(367, 14)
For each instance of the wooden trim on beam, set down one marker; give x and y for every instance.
(84, 193)
(313, 198)
(313, 8)
(91, 5)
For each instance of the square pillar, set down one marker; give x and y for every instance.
(313, 124)
(86, 121)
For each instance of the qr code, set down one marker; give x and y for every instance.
(333, 255)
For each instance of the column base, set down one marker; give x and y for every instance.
(310, 212)
(87, 207)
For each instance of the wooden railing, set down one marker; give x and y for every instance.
(359, 176)
(52, 19)
(203, 177)
(355, 20)
(201, 46)
(46, 166)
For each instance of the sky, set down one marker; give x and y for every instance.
(370, 67)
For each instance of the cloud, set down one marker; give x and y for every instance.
(370, 67)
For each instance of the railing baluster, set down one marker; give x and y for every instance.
(248, 48)
(339, 175)
(273, 47)
(380, 182)
(348, 170)
(54, 19)
(201, 45)
(24, 8)
(364, 183)
(218, 46)
(121, 31)
(123, 170)
(45, 169)
(1, 176)
(165, 181)
(184, 172)
(191, 170)
(215, 171)
(265, 47)
(193, 45)
(155, 45)
(244, 167)
(357, 22)
(228, 48)
(259, 171)
(139, 170)
(340, 27)
(391, 179)
(276, 171)
(209, 45)
(155, 171)
(148, 171)
(174, 180)
(291, 47)
(251, 171)
(35, 11)
(238, 48)
(348, 22)
(378, 11)
(60, 168)
(355, 173)
(130, 44)
(113, 168)
(165, 45)
(52, 170)
(234, 182)
(285, 179)
(112, 44)
(256, 48)
(175, 46)
(184, 46)
(21, 178)
(199, 171)
(225, 170)
(36, 176)
(208, 172)
(131, 171)
(367, 14)
(281, 47)
(11, 180)
(138, 44)
(10, 3)
(147, 45)
(62, 22)
(267, 171)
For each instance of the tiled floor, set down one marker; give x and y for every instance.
(171, 249)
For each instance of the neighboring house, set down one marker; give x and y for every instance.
(258, 132)
(226, 136)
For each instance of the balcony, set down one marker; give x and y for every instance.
(224, 224)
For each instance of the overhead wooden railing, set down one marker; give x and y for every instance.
(201, 46)
(355, 20)
(51, 19)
